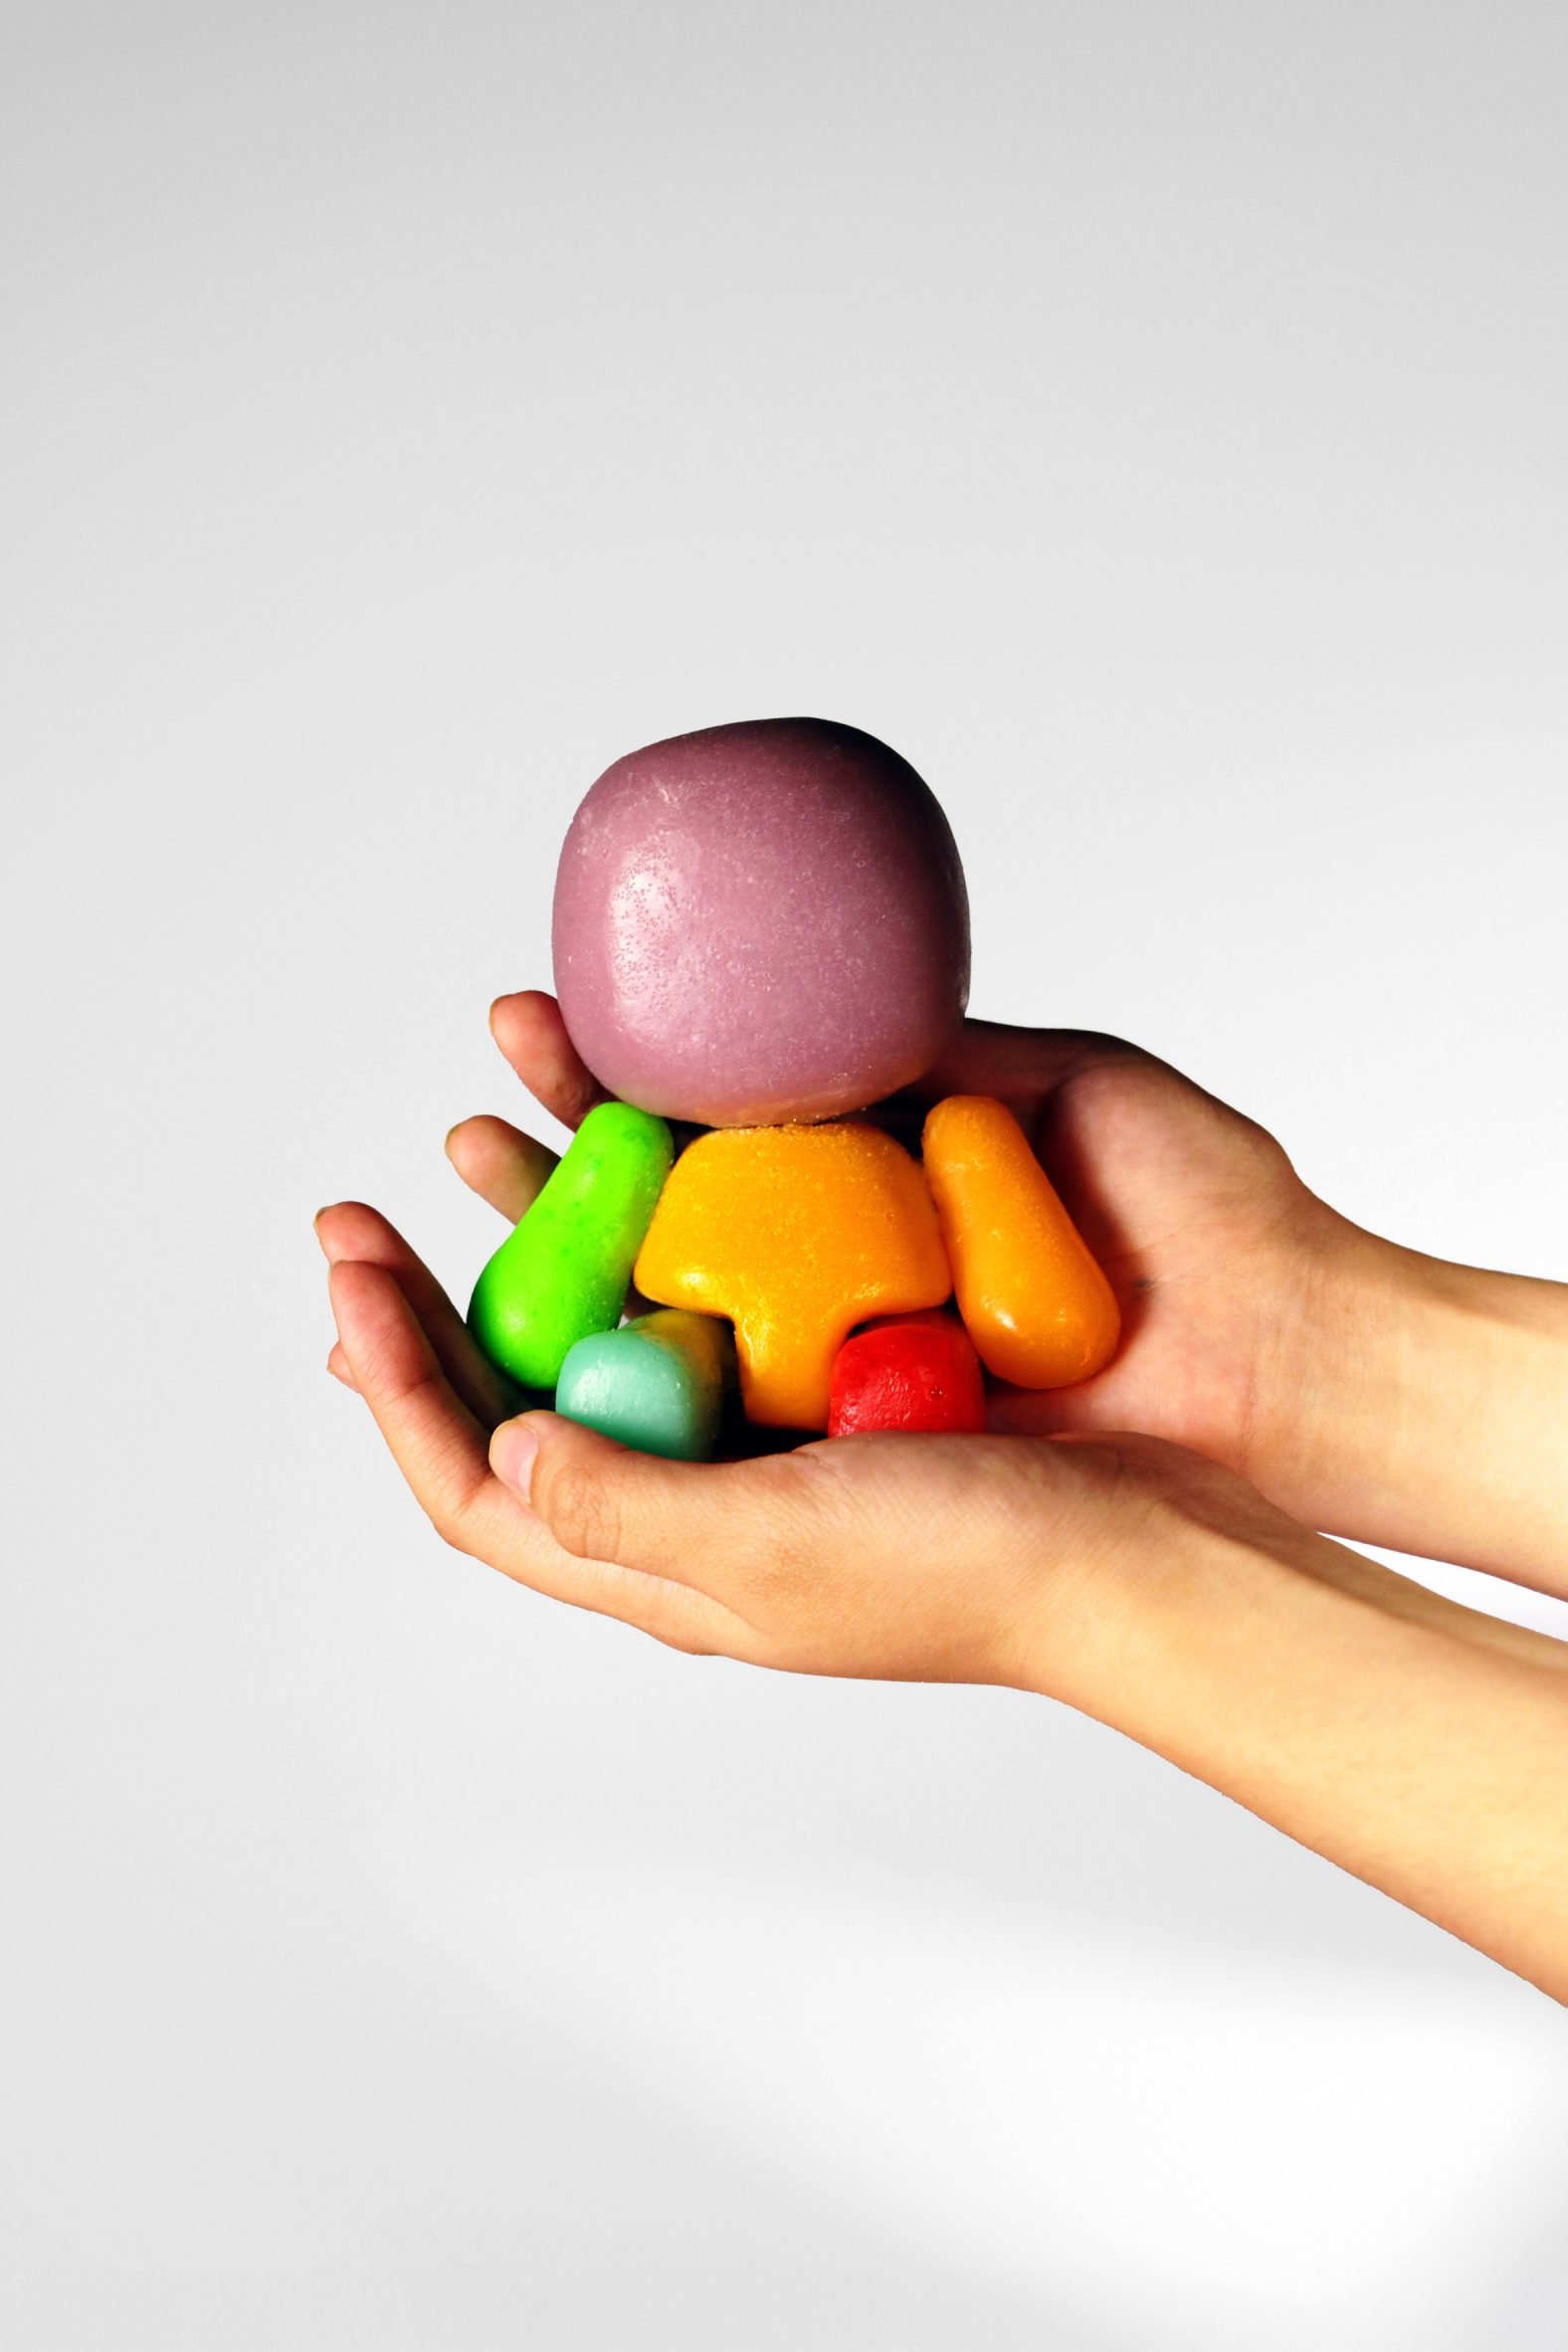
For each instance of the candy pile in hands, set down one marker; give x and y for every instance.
(760, 928)
(793, 1237)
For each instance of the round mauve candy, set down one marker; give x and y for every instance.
(760, 923)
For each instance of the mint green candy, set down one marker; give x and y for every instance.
(657, 1383)
(562, 1272)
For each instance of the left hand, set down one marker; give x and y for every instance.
(1415, 1742)
(894, 1558)
(1010, 1559)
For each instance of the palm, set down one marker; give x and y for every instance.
(1206, 1232)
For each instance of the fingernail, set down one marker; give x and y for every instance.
(512, 1450)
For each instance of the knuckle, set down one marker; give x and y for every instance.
(688, 1644)
(581, 1512)
(779, 1555)
(447, 1517)
(449, 1501)
(1119, 1074)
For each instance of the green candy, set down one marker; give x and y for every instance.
(657, 1383)
(562, 1273)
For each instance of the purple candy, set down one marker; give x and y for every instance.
(760, 923)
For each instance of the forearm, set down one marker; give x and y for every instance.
(1435, 1418)
(1414, 1743)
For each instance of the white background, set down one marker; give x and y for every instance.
(1150, 420)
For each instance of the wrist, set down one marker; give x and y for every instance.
(1427, 1409)
(1147, 1548)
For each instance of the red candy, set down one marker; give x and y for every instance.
(907, 1372)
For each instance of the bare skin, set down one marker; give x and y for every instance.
(1309, 1370)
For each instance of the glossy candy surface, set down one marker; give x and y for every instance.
(796, 1234)
(910, 1372)
(760, 923)
(1033, 1300)
(563, 1271)
(657, 1383)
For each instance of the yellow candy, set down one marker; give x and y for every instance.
(796, 1234)
(1036, 1305)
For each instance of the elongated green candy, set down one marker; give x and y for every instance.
(562, 1272)
(657, 1383)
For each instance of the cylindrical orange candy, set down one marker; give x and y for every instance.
(1033, 1300)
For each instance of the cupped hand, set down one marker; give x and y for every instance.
(1416, 1742)
(975, 1560)
(1413, 1741)
(1047, 1563)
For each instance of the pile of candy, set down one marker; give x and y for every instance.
(767, 923)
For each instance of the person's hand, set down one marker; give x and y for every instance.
(1357, 1384)
(1417, 1743)
(816, 1559)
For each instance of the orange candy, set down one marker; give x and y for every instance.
(796, 1234)
(1036, 1305)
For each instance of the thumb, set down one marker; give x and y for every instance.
(603, 1501)
(1019, 1065)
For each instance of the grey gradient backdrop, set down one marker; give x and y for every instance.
(1150, 419)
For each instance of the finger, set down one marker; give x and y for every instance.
(1020, 1067)
(351, 1230)
(434, 1440)
(707, 1524)
(441, 1451)
(501, 1164)
(530, 1030)
(511, 1170)
(338, 1365)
